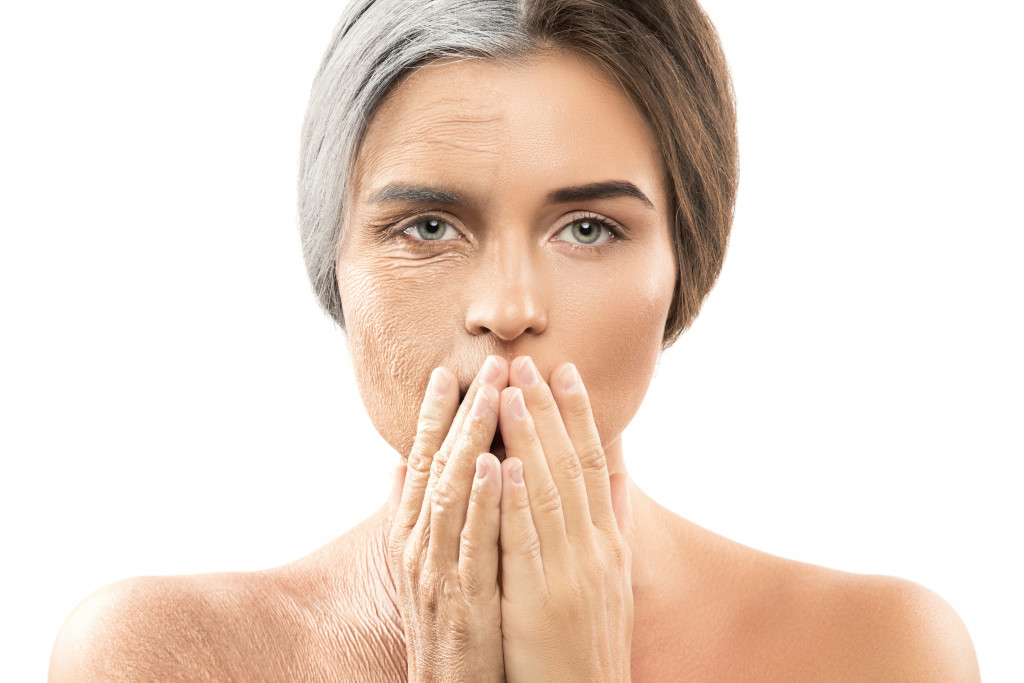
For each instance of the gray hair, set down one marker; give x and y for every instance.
(375, 43)
(664, 54)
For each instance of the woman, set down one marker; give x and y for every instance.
(512, 208)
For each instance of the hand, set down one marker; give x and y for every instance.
(566, 530)
(443, 542)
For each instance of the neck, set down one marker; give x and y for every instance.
(613, 456)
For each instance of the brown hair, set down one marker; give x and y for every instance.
(664, 54)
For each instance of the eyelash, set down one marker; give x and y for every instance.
(616, 232)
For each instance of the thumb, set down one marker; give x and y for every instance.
(622, 506)
(395, 497)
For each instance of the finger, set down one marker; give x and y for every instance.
(574, 405)
(521, 441)
(449, 498)
(478, 547)
(493, 371)
(522, 567)
(558, 448)
(436, 411)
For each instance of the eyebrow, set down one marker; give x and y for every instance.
(422, 194)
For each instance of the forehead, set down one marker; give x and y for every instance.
(487, 127)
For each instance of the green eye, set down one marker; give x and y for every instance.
(432, 229)
(586, 231)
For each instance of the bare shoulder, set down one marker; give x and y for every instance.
(197, 627)
(883, 627)
(817, 623)
(311, 619)
(742, 614)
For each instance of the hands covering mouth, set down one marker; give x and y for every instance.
(518, 570)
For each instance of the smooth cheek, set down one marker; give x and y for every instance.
(619, 342)
(398, 330)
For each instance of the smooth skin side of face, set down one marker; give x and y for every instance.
(492, 263)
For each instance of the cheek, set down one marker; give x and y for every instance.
(398, 331)
(402, 322)
(619, 343)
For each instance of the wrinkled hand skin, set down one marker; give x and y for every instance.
(443, 538)
(557, 603)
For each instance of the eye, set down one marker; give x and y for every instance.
(586, 231)
(431, 229)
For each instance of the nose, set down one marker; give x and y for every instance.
(507, 298)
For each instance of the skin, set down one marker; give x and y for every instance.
(505, 287)
(509, 285)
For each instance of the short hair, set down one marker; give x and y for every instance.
(665, 55)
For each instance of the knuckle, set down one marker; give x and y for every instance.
(529, 546)
(438, 463)
(442, 499)
(591, 457)
(548, 500)
(467, 548)
(430, 426)
(420, 459)
(571, 465)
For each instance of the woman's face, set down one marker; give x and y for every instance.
(483, 220)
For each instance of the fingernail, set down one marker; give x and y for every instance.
(570, 378)
(438, 382)
(482, 402)
(517, 473)
(490, 371)
(517, 405)
(481, 468)
(528, 372)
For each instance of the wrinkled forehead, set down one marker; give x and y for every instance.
(475, 121)
(443, 128)
(445, 105)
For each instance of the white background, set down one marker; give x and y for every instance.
(172, 400)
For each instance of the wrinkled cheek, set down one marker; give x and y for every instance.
(393, 351)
